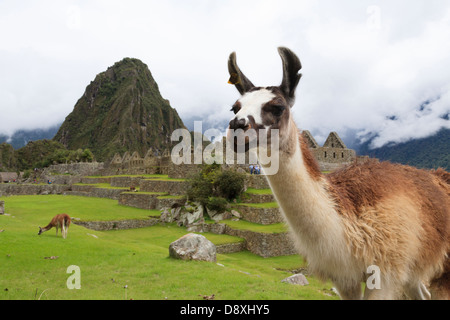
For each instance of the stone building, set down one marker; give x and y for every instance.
(333, 154)
(6, 177)
(134, 164)
(116, 160)
(136, 160)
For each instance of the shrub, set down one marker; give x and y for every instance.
(230, 184)
(218, 204)
(26, 174)
(199, 189)
(87, 156)
(213, 187)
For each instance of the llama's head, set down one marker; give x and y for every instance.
(263, 108)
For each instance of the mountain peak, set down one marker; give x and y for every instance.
(120, 110)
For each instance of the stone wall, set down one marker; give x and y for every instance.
(125, 182)
(171, 187)
(182, 170)
(256, 181)
(88, 180)
(334, 155)
(263, 244)
(32, 189)
(60, 179)
(260, 215)
(92, 191)
(139, 200)
(230, 247)
(258, 198)
(169, 202)
(117, 224)
(80, 169)
(148, 201)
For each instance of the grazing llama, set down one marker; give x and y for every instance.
(59, 221)
(364, 216)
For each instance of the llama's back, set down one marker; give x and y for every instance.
(362, 185)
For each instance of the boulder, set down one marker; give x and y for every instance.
(219, 216)
(2, 207)
(195, 216)
(193, 247)
(298, 279)
(236, 214)
(165, 215)
(175, 212)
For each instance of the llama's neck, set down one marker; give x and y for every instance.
(302, 194)
(303, 198)
(48, 227)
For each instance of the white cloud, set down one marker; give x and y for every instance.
(362, 61)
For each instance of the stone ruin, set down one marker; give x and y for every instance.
(332, 155)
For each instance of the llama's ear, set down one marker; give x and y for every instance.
(237, 78)
(291, 77)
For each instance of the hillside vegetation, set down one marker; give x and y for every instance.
(121, 110)
(39, 154)
(428, 153)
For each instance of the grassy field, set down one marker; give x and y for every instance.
(259, 191)
(127, 264)
(101, 186)
(266, 205)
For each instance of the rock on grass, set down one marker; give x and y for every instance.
(193, 247)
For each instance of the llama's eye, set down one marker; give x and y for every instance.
(277, 110)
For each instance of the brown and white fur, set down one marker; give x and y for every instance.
(377, 213)
(59, 221)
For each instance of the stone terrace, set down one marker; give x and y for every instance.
(157, 191)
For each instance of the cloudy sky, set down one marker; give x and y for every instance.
(368, 66)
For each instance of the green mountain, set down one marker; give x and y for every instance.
(430, 153)
(121, 110)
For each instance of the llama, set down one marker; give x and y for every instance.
(59, 221)
(390, 216)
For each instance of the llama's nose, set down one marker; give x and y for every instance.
(238, 124)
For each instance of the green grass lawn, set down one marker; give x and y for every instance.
(102, 186)
(146, 192)
(258, 191)
(136, 258)
(266, 205)
(147, 176)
